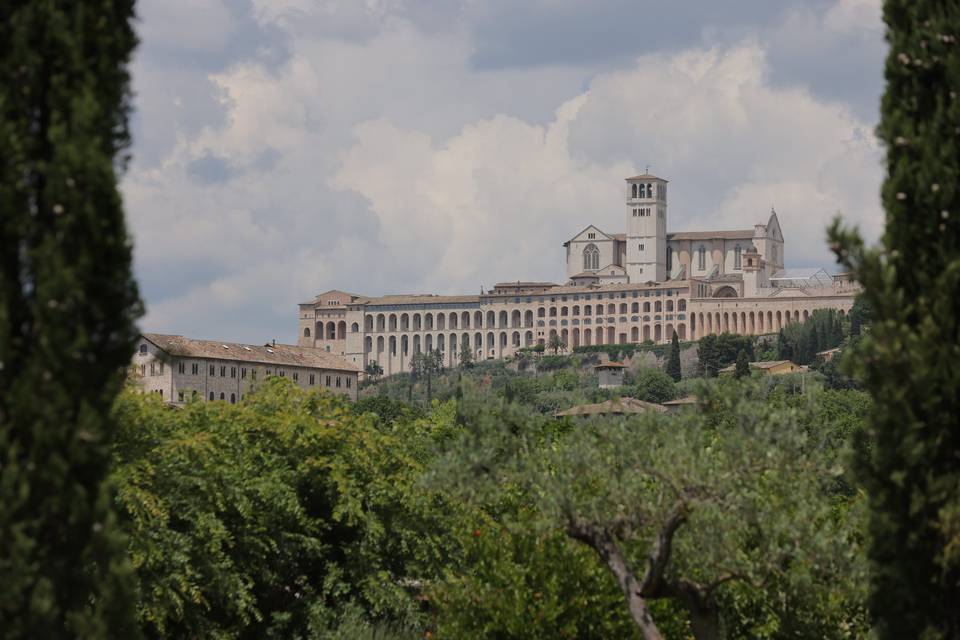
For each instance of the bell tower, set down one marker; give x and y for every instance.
(646, 237)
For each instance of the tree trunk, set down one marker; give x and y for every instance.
(601, 542)
(704, 621)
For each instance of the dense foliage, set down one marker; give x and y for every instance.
(909, 360)
(716, 351)
(800, 342)
(68, 304)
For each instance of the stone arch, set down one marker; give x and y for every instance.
(306, 332)
(477, 319)
(528, 339)
(491, 319)
(417, 345)
(367, 325)
(503, 320)
(465, 320)
(576, 338)
(635, 334)
(587, 337)
(441, 321)
(381, 323)
(355, 328)
(404, 322)
(528, 318)
(515, 318)
(682, 330)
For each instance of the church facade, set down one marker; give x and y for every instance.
(643, 284)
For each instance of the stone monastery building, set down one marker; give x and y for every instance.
(640, 285)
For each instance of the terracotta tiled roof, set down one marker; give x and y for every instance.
(420, 299)
(282, 354)
(616, 406)
(507, 285)
(738, 234)
(646, 176)
(765, 364)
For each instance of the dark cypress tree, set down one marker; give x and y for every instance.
(909, 360)
(742, 369)
(784, 348)
(673, 362)
(67, 309)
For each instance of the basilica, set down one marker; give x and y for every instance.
(643, 284)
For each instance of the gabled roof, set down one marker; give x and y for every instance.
(615, 406)
(276, 354)
(584, 230)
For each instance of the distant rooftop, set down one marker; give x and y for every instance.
(615, 406)
(282, 354)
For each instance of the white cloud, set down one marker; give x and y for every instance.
(390, 164)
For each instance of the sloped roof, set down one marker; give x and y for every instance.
(762, 365)
(281, 354)
(614, 406)
(736, 234)
(646, 176)
(420, 299)
(611, 365)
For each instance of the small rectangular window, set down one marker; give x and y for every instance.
(223, 371)
(281, 373)
(328, 381)
(194, 368)
(313, 379)
(181, 368)
(348, 382)
(243, 373)
(161, 369)
(180, 396)
(296, 376)
(253, 374)
(233, 372)
(153, 370)
(338, 382)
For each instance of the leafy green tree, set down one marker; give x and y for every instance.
(653, 385)
(557, 344)
(911, 284)
(722, 515)
(68, 303)
(714, 352)
(743, 366)
(426, 366)
(860, 315)
(275, 517)
(466, 353)
(373, 370)
(673, 362)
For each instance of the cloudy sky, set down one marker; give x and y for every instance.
(287, 147)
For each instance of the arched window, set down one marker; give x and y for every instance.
(306, 332)
(643, 191)
(737, 251)
(669, 259)
(702, 258)
(650, 190)
(143, 349)
(591, 258)
(233, 398)
(354, 327)
(634, 190)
